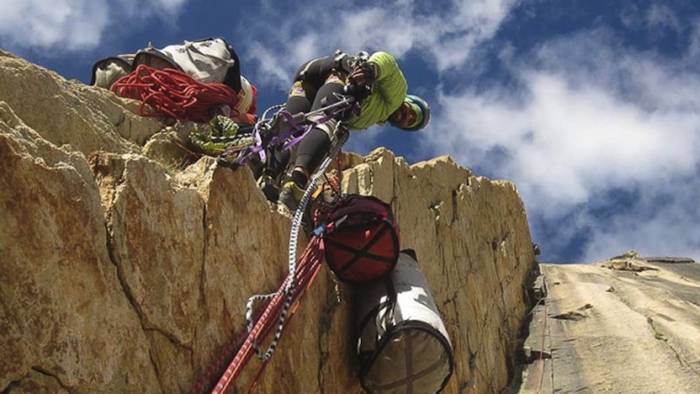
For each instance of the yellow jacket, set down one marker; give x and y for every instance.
(390, 88)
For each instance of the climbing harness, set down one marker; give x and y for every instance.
(279, 129)
(174, 94)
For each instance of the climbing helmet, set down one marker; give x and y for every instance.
(412, 115)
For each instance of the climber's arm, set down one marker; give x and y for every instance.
(390, 83)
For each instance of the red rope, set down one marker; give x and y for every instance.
(314, 269)
(307, 269)
(174, 94)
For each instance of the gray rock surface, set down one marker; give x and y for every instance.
(639, 334)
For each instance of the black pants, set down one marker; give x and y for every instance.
(307, 95)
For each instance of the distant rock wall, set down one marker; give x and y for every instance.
(626, 325)
(121, 273)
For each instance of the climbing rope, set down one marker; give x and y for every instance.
(174, 94)
(281, 303)
(293, 243)
(309, 265)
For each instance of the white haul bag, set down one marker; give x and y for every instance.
(402, 343)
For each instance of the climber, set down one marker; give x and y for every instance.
(377, 82)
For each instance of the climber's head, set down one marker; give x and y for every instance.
(413, 114)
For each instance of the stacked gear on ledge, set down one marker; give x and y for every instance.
(173, 94)
(193, 81)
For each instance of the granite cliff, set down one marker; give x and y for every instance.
(125, 262)
(629, 324)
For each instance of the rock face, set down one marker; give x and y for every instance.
(626, 325)
(470, 236)
(120, 273)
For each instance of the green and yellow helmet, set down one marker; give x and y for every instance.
(413, 110)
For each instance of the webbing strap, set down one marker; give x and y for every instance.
(296, 132)
(261, 125)
(361, 253)
(364, 251)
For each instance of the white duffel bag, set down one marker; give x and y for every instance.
(106, 71)
(209, 60)
(402, 343)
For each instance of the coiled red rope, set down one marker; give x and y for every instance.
(171, 93)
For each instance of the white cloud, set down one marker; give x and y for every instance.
(663, 222)
(591, 117)
(170, 5)
(662, 16)
(268, 64)
(165, 9)
(32, 23)
(69, 25)
(586, 118)
(655, 18)
(446, 36)
(694, 48)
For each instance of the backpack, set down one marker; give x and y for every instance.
(361, 240)
(106, 71)
(402, 343)
(208, 60)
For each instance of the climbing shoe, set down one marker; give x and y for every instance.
(291, 195)
(269, 187)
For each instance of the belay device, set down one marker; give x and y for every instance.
(402, 342)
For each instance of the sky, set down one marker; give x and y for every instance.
(590, 107)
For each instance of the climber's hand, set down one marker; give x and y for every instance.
(363, 75)
(359, 92)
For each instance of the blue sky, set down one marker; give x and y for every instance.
(590, 107)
